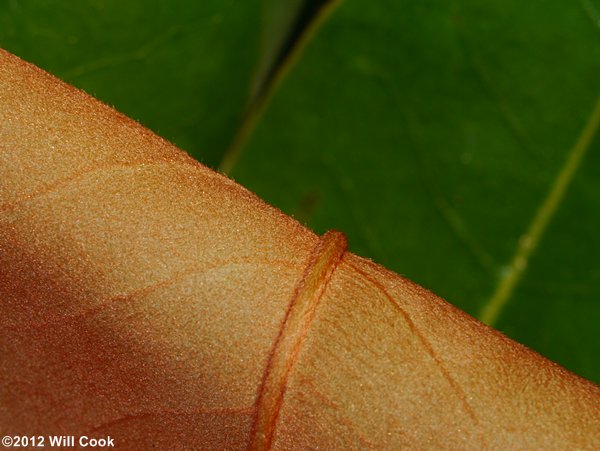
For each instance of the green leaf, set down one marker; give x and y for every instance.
(455, 142)
(183, 68)
(279, 17)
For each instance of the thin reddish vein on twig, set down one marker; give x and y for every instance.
(52, 187)
(142, 292)
(169, 412)
(462, 396)
(323, 262)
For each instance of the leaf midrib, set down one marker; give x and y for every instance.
(531, 239)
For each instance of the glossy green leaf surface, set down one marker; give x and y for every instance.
(279, 19)
(454, 142)
(182, 68)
